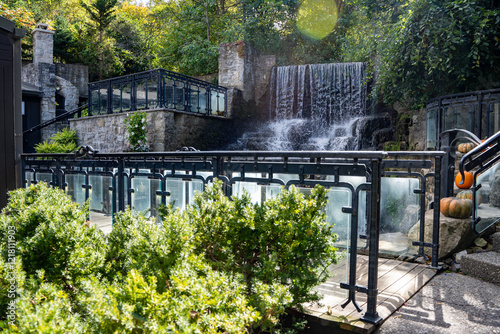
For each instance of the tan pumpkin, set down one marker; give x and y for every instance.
(465, 147)
(467, 194)
(455, 207)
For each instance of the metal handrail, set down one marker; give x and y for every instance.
(59, 118)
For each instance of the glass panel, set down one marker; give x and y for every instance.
(117, 91)
(169, 94)
(203, 100)
(74, 187)
(126, 97)
(94, 103)
(494, 118)
(141, 94)
(152, 93)
(142, 196)
(101, 213)
(213, 103)
(458, 117)
(177, 190)
(221, 105)
(488, 198)
(155, 202)
(103, 101)
(44, 177)
(258, 193)
(179, 96)
(195, 101)
(431, 128)
(28, 177)
(399, 214)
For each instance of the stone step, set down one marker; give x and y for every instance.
(482, 265)
(495, 237)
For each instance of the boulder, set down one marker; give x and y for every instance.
(454, 234)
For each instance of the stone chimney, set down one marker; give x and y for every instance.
(43, 44)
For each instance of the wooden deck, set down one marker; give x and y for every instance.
(398, 282)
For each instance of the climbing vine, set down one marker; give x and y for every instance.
(136, 126)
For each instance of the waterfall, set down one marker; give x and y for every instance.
(312, 107)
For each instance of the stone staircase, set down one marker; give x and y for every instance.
(486, 265)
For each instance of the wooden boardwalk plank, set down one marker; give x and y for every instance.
(398, 281)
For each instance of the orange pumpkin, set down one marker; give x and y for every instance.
(465, 147)
(455, 207)
(467, 182)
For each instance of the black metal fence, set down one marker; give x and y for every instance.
(157, 89)
(477, 112)
(362, 185)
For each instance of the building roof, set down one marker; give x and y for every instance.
(31, 90)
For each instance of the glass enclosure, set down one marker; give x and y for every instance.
(156, 89)
(477, 112)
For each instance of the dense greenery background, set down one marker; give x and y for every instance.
(416, 49)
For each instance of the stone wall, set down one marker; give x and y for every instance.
(241, 67)
(43, 76)
(43, 44)
(77, 74)
(167, 131)
(70, 93)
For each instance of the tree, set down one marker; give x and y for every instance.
(102, 14)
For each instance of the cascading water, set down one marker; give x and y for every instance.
(312, 107)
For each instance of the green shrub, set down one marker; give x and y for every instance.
(219, 267)
(52, 234)
(64, 141)
(285, 240)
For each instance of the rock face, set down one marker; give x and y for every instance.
(454, 234)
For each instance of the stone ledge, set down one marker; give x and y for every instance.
(124, 113)
(482, 265)
(496, 241)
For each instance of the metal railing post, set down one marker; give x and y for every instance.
(121, 185)
(371, 314)
(435, 220)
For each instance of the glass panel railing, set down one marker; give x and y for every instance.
(117, 98)
(103, 101)
(44, 177)
(488, 199)
(399, 214)
(143, 194)
(152, 93)
(101, 212)
(431, 128)
(195, 99)
(74, 183)
(94, 101)
(141, 94)
(494, 118)
(127, 97)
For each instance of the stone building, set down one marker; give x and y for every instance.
(49, 89)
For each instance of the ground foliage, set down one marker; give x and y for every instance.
(416, 49)
(219, 267)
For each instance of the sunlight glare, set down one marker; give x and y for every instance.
(317, 18)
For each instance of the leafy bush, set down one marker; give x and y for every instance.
(52, 234)
(219, 267)
(64, 141)
(285, 240)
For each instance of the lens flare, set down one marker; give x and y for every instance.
(317, 18)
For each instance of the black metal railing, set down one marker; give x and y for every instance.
(360, 183)
(484, 162)
(60, 118)
(477, 112)
(157, 89)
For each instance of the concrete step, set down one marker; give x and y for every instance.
(495, 237)
(482, 265)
